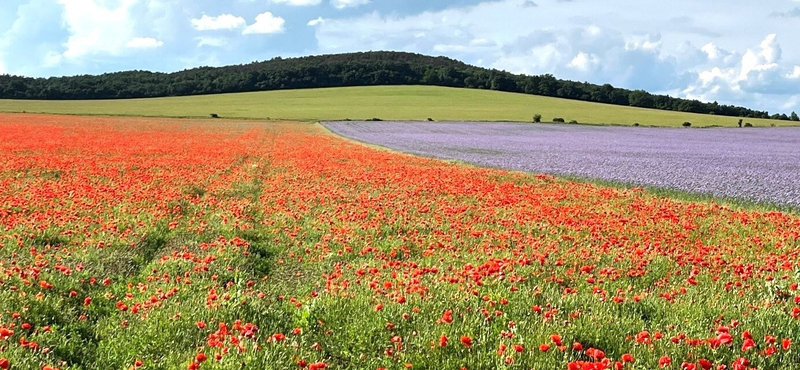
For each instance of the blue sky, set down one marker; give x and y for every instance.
(740, 52)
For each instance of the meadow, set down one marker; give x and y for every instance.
(148, 243)
(385, 102)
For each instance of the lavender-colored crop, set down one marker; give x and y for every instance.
(754, 164)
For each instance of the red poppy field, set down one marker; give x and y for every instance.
(174, 244)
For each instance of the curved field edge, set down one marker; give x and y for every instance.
(297, 249)
(655, 191)
(384, 102)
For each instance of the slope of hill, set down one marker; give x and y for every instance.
(339, 70)
(385, 102)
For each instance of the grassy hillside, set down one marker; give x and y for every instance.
(385, 102)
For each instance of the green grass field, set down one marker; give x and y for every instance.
(385, 102)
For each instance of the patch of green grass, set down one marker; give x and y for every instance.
(384, 102)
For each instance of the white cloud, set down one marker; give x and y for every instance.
(95, 28)
(265, 23)
(144, 43)
(316, 22)
(297, 2)
(587, 41)
(222, 22)
(52, 59)
(795, 73)
(758, 76)
(210, 41)
(341, 4)
(584, 62)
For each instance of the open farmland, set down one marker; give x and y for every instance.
(754, 165)
(385, 102)
(174, 244)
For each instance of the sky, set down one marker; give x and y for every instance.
(740, 52)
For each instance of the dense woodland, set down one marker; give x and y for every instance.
(353, 69)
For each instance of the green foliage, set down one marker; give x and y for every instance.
(353, 69)
(537, 118)
(558, 120)
(687, 124)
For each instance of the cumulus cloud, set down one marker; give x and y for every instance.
(795, 73)
(594, 54)
(717, 54)
(341, 4)
(297, 2)
(144, 43)
(265, 23)
(221, 22)
(316, 22)
(756, 75)
(97, 28)
(588, 53)
(584, 62)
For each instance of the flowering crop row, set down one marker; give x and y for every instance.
(761, 165)
(169, 244)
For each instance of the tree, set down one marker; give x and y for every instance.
(337, 70)
(537, 118)
(795, 117)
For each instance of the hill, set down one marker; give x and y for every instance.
(385, 102)
(341, 70)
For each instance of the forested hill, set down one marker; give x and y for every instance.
(353, 69)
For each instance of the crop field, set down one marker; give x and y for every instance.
(385, 102)
(143, 243)
(754, 165)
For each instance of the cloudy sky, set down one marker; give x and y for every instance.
(740, 52)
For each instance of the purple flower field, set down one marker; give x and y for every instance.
(753, 164)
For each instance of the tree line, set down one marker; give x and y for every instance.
(351, 69)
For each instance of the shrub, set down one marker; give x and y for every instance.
(636, 124)
(740, 122)
(430, 119)
(748, 124)
(374, 119)
(687, 124)
(214, 115)
(559, 120)
(537, 118)
(573, 121)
